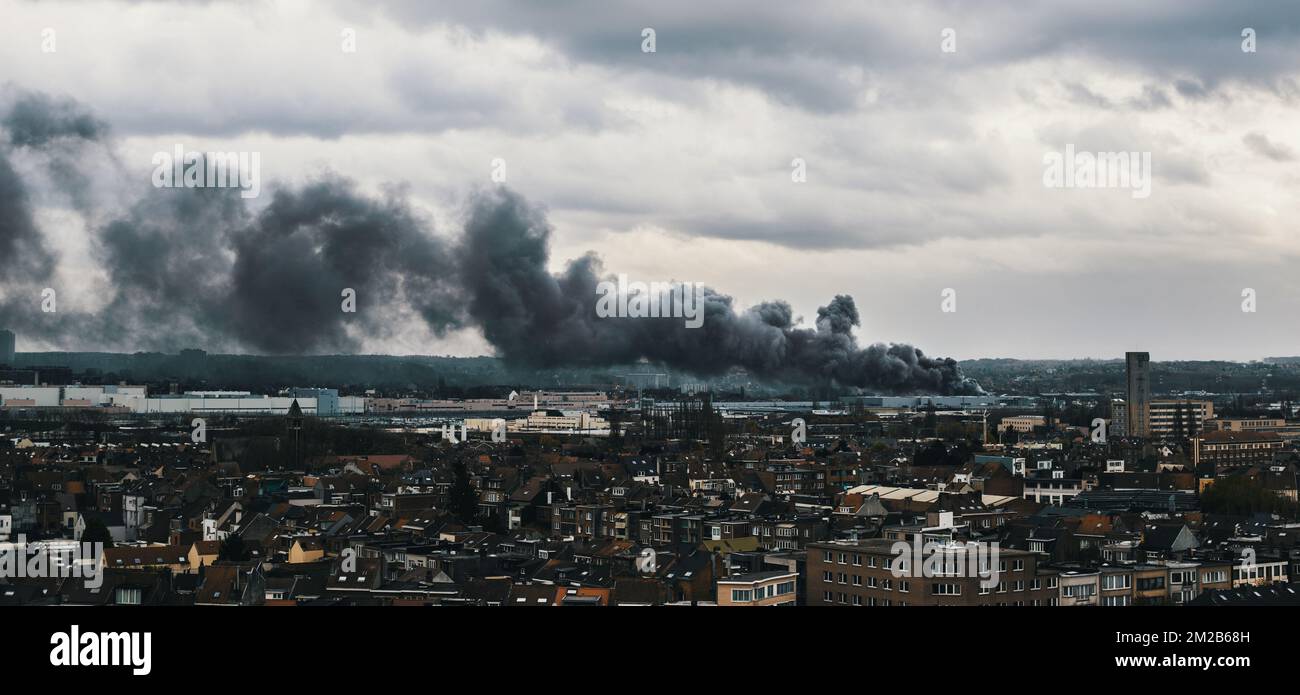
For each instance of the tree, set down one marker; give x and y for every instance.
(463, 498)
(928, 424)
(97, 532)
(1244, 495)
(933, 454)
(1010, 436)
(951, 430)
(234, 550)
(493, 523)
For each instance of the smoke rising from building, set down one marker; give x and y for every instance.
(195, 267)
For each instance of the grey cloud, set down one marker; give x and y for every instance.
(793, 50)
(1192, 89)
(1152, 98)
(1261, 145)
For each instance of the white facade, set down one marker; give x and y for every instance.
(40, 396)
(253, 405)
(546, 422)
(137, 400)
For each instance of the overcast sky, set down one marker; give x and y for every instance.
(924, 167)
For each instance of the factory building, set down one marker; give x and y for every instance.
(136, 399)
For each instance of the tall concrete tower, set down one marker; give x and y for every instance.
(1139, 393)
(7, 343)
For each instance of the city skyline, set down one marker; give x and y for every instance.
(898, 304)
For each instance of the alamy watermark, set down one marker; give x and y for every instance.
(77, 648)
(1098, 170)
(46, 559)
(182, 169)
(930, 559)
(637, 300)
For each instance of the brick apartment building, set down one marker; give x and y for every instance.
(860, 573)
(773, 588)
(1223, 450)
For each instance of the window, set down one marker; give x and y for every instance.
(1017, 565)
(742, 595)
(1051, 583)
(945, 589)
(1116, 581)
(784, 588)
(1151, 583)
(1077, 591)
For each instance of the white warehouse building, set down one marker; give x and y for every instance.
(137, 400)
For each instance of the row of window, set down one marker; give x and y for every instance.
(855, 600)
(829, 556)
(857, 580)
(939, 589)
(762, 592)
(1271, 572)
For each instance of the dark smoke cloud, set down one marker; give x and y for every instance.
(536, 318)
(60, 130)
(38, 120)
(22, 247)
(273, 282)
(27, 263)
(199, 268)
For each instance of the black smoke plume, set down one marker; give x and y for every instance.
(201, 268)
